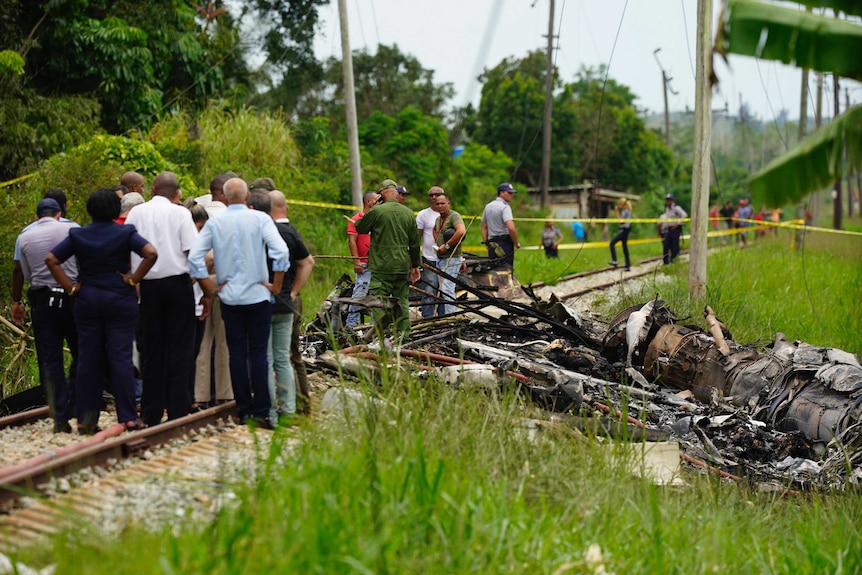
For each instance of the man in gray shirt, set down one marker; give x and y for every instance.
(50, 308)
(498, 227)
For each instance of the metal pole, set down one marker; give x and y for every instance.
(664, 81)
(350, 108)
(665, 84)
(546, 126)
(700, 176)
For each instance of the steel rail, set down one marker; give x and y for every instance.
(99, 450)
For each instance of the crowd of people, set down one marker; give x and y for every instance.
(207, 291)
(213, 282)
(392, 250)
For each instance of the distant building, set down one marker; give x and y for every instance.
(581, 201)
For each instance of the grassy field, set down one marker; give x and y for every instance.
(433, 480)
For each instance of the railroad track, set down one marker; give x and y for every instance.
(110, 444)
(116, 462)
(193, 476)
(24, 418)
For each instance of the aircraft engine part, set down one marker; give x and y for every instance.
(684, 358)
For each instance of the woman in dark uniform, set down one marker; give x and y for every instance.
(106, 307)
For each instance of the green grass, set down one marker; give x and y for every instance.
(435, 480)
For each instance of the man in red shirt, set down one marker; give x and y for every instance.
(359, 244)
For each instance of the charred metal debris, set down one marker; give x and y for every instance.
(787, 416)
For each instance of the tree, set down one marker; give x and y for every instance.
(612, 145)
(598, 132)
(285, 29)
(509, 118)
(136, 58)
(774, 32)
(387, 81)
(412, 145)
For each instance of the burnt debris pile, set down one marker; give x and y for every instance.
(785, 416)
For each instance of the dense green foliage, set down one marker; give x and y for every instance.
(386, 82)
(598, 133)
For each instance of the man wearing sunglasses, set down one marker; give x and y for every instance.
(429, 281)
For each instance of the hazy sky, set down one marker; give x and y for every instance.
(458, 38)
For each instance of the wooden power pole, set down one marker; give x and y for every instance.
(350, 108)
(836, 194)
(803, 129)
(700, 164)
(665, 84)
(549, 99)
(849, 174)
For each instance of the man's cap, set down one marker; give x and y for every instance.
(386, 184)
(47, 207)
(669, 197)
(402, 190)
(505, 187)
(263, 184)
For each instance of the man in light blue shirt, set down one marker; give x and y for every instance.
(241, 239)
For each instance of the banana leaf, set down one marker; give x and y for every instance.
(851, 7)
(814, 163)
(773, 32)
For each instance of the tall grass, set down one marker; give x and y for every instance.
(433, 480)
(812, 293)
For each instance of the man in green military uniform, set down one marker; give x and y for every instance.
(394, 256)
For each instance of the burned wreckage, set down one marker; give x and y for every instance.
(788, 415)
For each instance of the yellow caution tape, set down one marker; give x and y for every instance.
(16, 180)
(753, 224)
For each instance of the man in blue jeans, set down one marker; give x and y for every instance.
(241, 239)
(282, 380)
(449, 232)
(359, 244)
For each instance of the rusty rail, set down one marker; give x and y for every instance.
(22, 479)
(24, 418)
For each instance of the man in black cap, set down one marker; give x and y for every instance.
(394, 256)
(58, 196)
(673, 229)
(50, 307)
(498, 227)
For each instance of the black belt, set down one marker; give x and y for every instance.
(46, 295)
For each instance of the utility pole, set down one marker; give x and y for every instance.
(818, 121)
(849, 175)
(546, 125)
(836, 194)
(350, 108)
(700, 164)
(803, 128)
(665, 83)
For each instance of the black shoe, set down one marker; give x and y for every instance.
(612, 264)
(259, 422)
(62, 427)
(627, 269)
